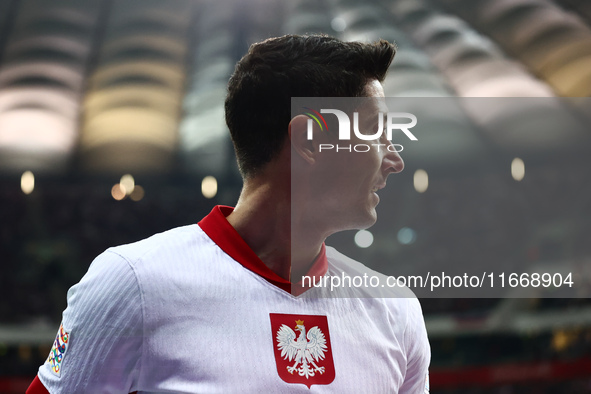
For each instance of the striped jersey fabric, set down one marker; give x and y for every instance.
(176, 313)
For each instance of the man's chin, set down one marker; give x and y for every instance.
(367, 221)
(373, 221)
(359, 220)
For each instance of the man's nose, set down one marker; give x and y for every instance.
(392, 161)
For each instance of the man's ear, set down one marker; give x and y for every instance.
(298, 134)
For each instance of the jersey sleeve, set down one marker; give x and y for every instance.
(99, 343)
(418, 350)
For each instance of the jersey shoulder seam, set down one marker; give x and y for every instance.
(142, 304)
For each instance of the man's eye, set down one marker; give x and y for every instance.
(370, 130)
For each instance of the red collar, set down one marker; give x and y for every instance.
(227, 238)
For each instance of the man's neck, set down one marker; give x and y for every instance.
(283, 241)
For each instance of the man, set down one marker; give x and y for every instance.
(209, 308)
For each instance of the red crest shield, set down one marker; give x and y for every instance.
(303, 353)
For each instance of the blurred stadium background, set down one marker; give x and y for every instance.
(111, 129)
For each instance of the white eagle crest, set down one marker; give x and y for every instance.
(305, 350)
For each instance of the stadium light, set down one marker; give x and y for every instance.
(517, 169)
(421, 181)
(118, 192)
(363, 238)
(27, 182)
(209, 187)
(128, 183)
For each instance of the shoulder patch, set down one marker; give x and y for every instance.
(58, 350)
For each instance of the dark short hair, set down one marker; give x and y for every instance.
(258, 105)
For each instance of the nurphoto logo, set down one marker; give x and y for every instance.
(392, 123)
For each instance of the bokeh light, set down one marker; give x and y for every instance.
(406, 236)
(517, 169)
(118, 192)
(27, 182)
(128, 183)
(209, 187)
(421, 181)
(363, 239)
(138, 193)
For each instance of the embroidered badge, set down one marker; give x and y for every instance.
(58, 351)
(303, 353)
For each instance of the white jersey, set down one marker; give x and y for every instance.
(194, 310)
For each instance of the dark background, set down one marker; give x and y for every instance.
(91, 90)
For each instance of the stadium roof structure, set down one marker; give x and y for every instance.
(136, 85)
